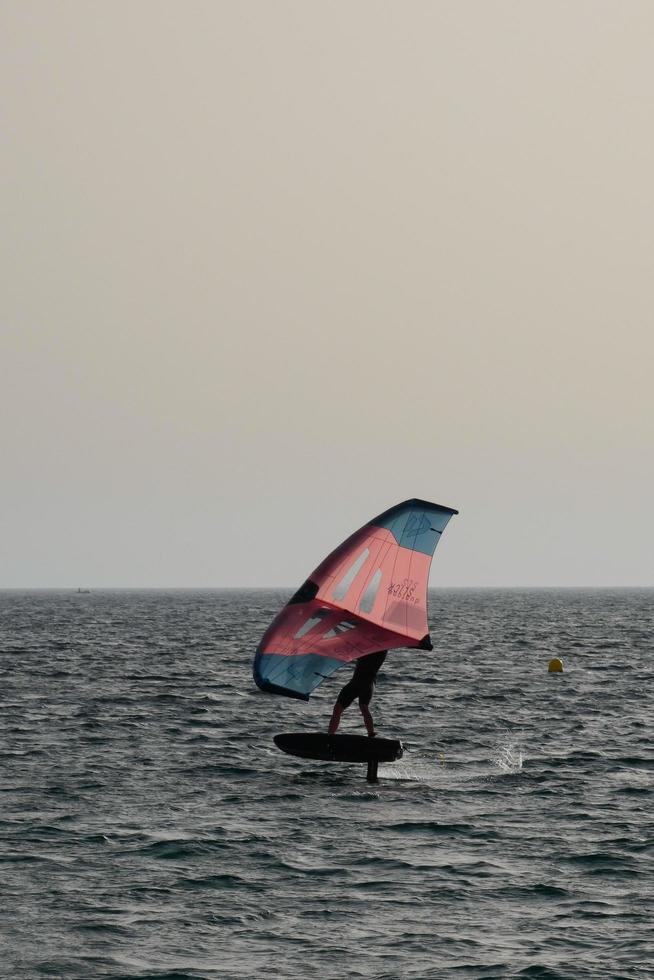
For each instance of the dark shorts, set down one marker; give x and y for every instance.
(356, 690)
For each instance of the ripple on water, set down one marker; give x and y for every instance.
(150, 828)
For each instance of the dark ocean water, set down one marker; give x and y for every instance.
(149, 827)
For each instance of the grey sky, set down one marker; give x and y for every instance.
(270, 267)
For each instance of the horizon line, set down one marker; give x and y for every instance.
(254, 588)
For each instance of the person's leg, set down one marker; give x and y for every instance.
(367, 720)
(343, 701)
(364, 701)
(335, 719)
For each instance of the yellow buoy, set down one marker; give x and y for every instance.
(555, 666)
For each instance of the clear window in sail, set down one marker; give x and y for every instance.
(317, 617)
(341, 589)
(369, 596)
(339, 629)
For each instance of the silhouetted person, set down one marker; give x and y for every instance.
(361, 685)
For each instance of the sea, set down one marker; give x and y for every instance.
(149, 827)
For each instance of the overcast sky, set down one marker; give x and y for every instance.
(270, 267)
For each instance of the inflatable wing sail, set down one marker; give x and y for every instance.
(370, 594)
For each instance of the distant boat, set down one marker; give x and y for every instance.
(84, 591)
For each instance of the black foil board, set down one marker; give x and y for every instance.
(339, 748)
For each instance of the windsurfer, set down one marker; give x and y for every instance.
(361, 685)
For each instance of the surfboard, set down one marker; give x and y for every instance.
(339, 748)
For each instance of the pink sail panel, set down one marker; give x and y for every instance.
(315, 626)
(371, 576)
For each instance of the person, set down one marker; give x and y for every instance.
(361, 685)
